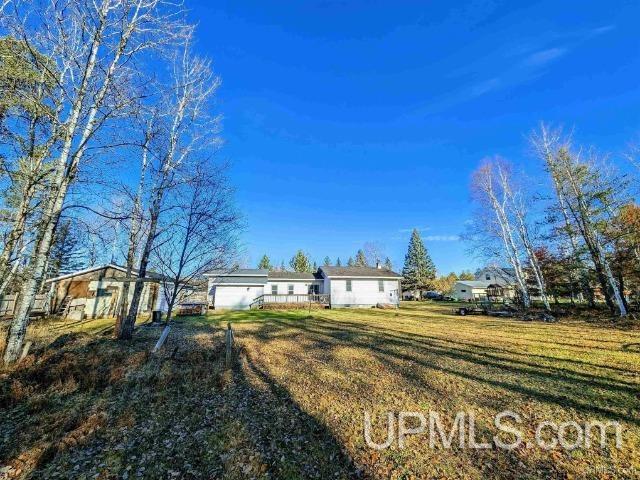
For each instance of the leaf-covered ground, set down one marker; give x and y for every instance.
(86, 406)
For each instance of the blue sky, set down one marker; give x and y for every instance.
(354, 121)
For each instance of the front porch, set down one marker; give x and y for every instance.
(291, 301)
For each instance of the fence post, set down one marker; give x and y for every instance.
(25, 350)
(229, 341)
(161, 340)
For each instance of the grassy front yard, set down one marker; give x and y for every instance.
(294, 404)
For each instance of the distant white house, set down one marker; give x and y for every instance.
(490, 282)
(334, 286)
(496, 275)
(466, 290)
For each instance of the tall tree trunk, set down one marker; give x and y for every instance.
(30, 287)
(65, 170)
(136, 226)
(130, 321)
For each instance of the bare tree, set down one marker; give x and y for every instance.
(487, 191)
(93, 45)
(200, 235)
(515, 207)
(136, 225)
(374, 253)
(184, 127)
(586, 197)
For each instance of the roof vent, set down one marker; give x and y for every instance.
(378, 266)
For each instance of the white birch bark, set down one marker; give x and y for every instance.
(485, 183)
(120, 18)
(514, 204)
(562, 165)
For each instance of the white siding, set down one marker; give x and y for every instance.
(99, 307)
(235, 297)
(299, 286)
(364, 292)
(468, 292)
(462, 292)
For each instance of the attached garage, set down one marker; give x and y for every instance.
(235, 290)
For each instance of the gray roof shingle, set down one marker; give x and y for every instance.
(370, 272)
(237, 272)
(294, 276)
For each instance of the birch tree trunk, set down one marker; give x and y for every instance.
(136, 226)
(517, 209)
(80, 127)
(128, 325)
(565, 171)
(484, 184)
(183, 133)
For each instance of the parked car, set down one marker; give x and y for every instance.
(432, 295)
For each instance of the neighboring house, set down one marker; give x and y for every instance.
(496, 275)
(491, 283)
(95, 292)
(334, 286)
(467, 290)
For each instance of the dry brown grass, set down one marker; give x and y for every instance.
(87, 406)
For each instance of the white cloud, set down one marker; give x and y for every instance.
(409, 230)
(485, 86)
(542, 57)
(442, 238)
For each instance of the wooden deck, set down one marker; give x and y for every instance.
(295, 299)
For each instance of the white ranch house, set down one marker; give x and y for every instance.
(336, 287)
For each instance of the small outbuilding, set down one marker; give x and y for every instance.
(96, 292)
(469, 290)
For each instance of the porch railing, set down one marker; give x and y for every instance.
(268, 299)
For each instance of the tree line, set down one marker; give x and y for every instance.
(573, 231)
(369, 256)
(108, 131)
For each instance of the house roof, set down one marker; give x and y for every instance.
(238, 272)
(366, 272)
(294, 276)
(134, 272)
(474, 283)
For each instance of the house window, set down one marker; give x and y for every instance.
(381, 285)
(103, 292)
(487, 277)
(463, 290)
(274, 289)
(314, 289)
(348, 285)
(290, 288)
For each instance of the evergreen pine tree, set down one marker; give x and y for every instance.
(327, 261)
(265, 263)
(387, 264)
(338, 262)
(66, 254)
(300, 262)
(419, 272)
(361, 259)
(350, 262)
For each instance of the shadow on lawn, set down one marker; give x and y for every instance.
(412, 356)
(96, 407)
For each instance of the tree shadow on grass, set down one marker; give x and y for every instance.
(94, 407)
(510, 378)
(584, 392)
